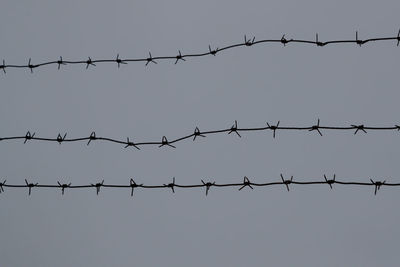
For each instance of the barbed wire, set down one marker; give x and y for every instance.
(211, 51)
(207, 185)
(197, 133)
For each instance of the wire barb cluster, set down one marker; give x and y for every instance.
(207, 185)
(197, 133)
(182, 57)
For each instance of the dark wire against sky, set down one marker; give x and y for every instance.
(211, 51)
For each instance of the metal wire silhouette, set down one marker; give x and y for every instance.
(207, 185)
(164, 142)
(89, 62)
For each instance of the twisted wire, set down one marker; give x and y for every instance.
(376, 184)
(89, 62)
(164, 142)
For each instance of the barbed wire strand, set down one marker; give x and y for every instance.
(207, 185)
(197, 133)
(211, 51)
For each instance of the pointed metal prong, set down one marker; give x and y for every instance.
(89, 62)
(30, 65)
(1, 186)
(119, 61)
(317, 41)
(283, 40)
(376, 188)
(30, 185)
(128, 143)
(359, 42)
(207, 185)
(150, 59)
(286, 182)
(91, 137)
(179, 57)
(3, 67)
(61, 139)
(212, 52)
(330, 182)
(234, 129)
(171, 185)
(133, 184)
(359, 128)
(63, 186)
(249, 42)
(197, 133)
(60, 62)
(273, 128)
(28, 136)
(164, 142)
(246, 182)
(377, 184)
(315, 128)
(398, 40)
(98, 186)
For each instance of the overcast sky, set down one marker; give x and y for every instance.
(297, 84)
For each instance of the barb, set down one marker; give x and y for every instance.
(149, 59)
(287, 182)
(212, 52)
(179, 57)
(182, 57)
(317, 42)
(359, 128)
(207, 185)
(60, 62)
(164, 142)
(119, 61)
(377, 184)
(233, 129)
(63, 186)
(3, 67)
(92, 137)
(133, 185)
(315, 128)
(275, 127)
(29, 186)
(98, 186)
(246, 182)
(89, 62)
(29, 136)
(128, 143)
(330, 182)
(171, 185)
(197, 133)
(61, 139)
(30, 66)
(1, 186)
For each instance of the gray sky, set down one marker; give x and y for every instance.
(296, 84)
